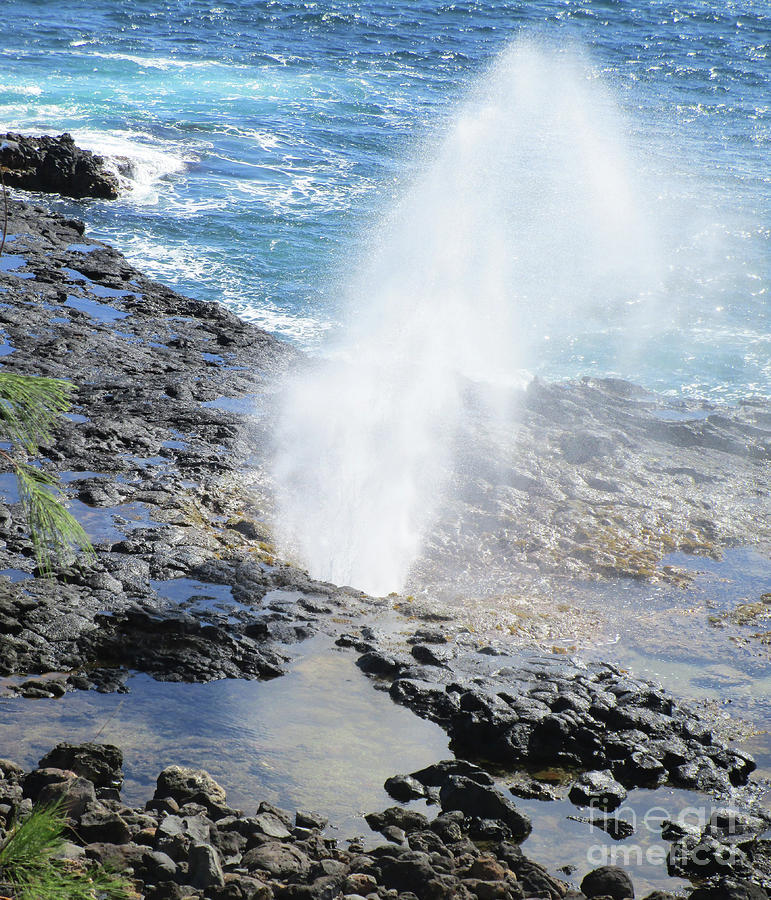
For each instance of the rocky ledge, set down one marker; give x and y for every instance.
(55, 165)
(187, 842)
(546, 711)
(184, 583)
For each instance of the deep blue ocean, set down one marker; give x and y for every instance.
(269, 139)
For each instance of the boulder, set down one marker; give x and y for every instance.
(187, 785)
(608, 881)
(600, 790)
(278, 860)
(101, 764)
(484, 802)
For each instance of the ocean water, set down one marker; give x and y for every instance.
(270, 140)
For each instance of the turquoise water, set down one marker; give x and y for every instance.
(269, 139)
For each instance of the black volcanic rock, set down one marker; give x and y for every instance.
(55, 165)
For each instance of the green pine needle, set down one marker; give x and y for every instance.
(29, 406)
(31, 842)
(52, 527)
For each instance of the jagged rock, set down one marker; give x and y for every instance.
(599, 790)
(204, 867)
(97, 823)
(404, 788)
(73, 795)
(484, 802)
(55, 165)
(306, 819)
(101, 764)
(730, 889)
(408, 820)
(437, 774)
(184, 784)
(278, 860)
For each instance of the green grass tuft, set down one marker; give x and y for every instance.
(28, 864)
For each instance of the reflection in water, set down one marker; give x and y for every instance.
(318, 738)
(585, 846)
(706, 640)
(322, 737)
(710, 641)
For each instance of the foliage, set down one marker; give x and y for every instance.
(29, 406)
(28, 864)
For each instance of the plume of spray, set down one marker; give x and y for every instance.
(525, 222)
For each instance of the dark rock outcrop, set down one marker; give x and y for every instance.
(55, 165)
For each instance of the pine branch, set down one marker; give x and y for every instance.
(53, 529)
(29, 405)
(32, 840)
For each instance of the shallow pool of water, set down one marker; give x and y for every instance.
(709, 640)
(321, 737)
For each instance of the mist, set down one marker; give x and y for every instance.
(524, 224)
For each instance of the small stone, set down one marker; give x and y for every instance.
(101, 824)
(437, 774)
(157, 866)
(487, 868)
(163, 805)
(311, 820)
(115, 856)
(408, 820)
(271, 825)
(73, 796)
(184, 784)
(278, 860)
(204, 867)
(359, 883)
(71, 851)
(600, 790)
(485, 802)
(11, 770)
(393, 834)
(404, 788)
(608, 881)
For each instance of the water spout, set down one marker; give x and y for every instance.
(526, 223)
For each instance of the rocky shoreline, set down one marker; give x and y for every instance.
(187, 842)
(173, 397)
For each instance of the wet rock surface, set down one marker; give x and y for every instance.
(545, 711)
(55, 165)
(594, 479)
(172, 396)
(184, 584)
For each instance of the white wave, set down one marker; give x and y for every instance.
(167, 62)
(31, 117)
(26, 90)
(305, 331)
(140, 161)
(165, 261)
